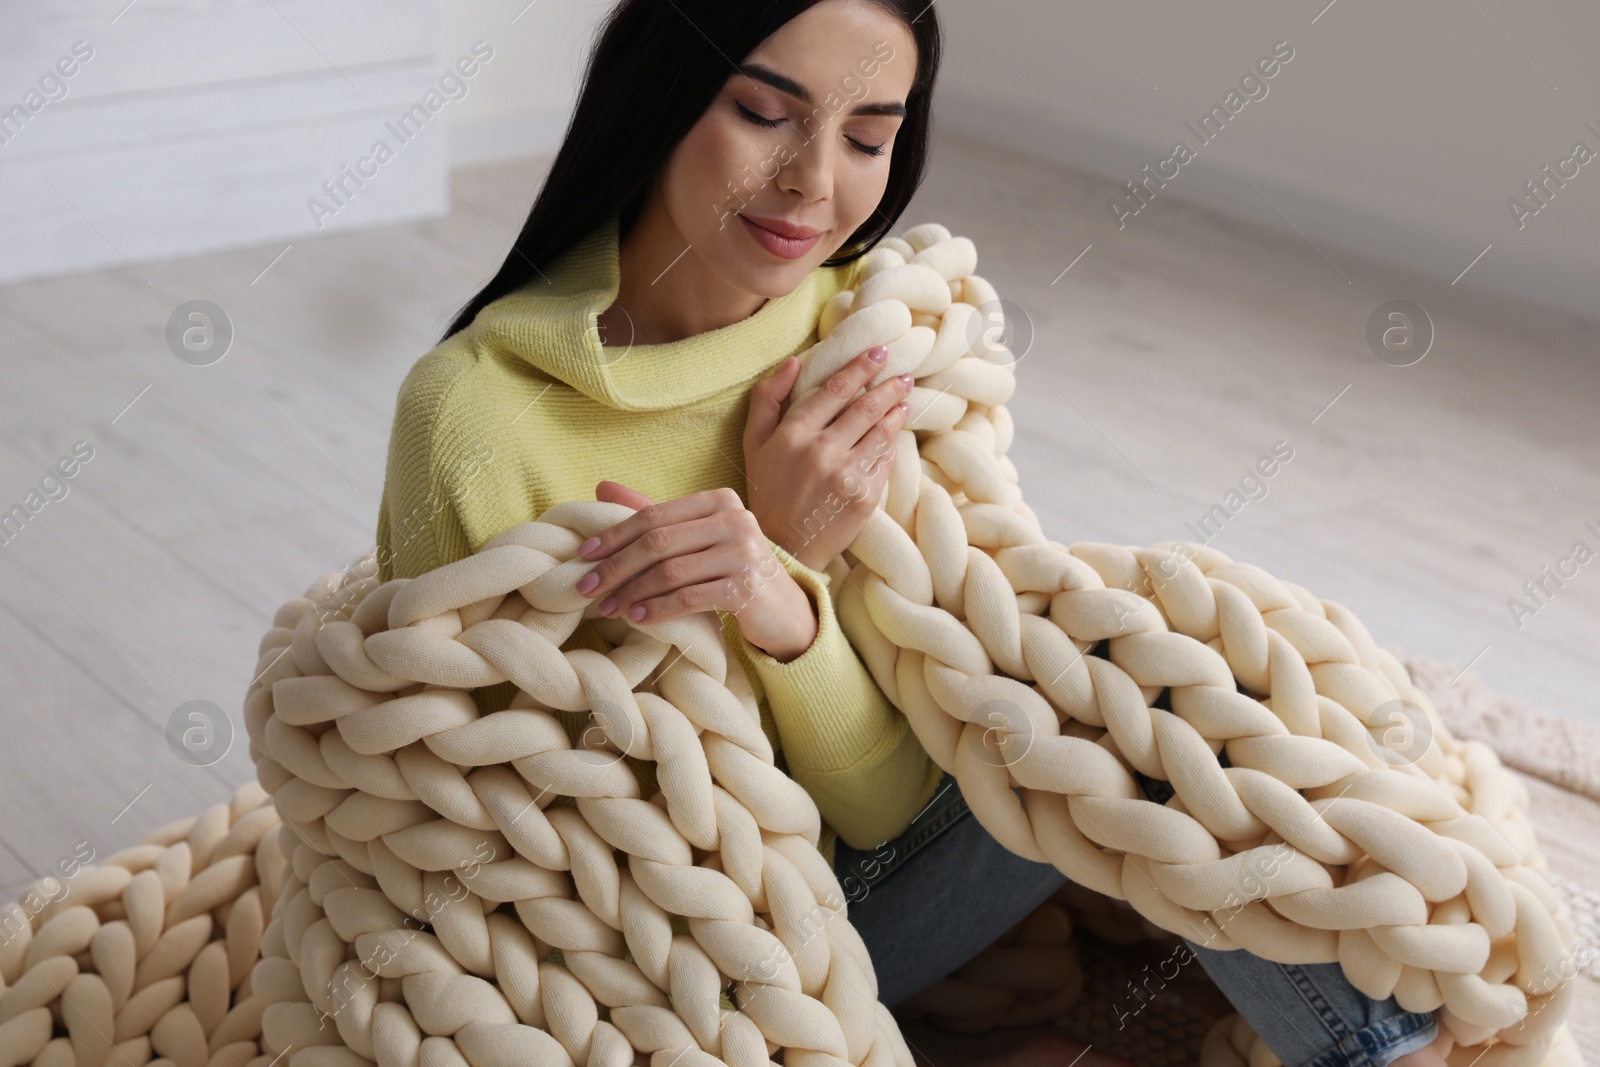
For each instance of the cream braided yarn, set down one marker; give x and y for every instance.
(149, 954)
(498, 889)
(1419, 875)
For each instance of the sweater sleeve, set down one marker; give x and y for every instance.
(419, 528)
(419, 524)
(843, 741)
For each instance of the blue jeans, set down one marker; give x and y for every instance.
(929, 900)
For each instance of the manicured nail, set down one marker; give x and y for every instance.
(903, 407)
(906, 380)
(608, 605)
(636, 612)
(589, 546)
(877, 353)
(587, 583)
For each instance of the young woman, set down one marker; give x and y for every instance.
(725, 169)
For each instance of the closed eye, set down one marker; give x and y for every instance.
(759, 120)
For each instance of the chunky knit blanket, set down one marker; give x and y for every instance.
(614, 867)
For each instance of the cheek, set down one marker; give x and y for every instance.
(683, 186)
(720, 166)
(860, 196)
(721, 150)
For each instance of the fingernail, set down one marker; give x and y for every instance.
(589, 546)
(587, 583)
(608, 605)
(877, 353)
(905, 380)
(636, 612)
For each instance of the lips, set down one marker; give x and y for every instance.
(784, 228)
(779, 237)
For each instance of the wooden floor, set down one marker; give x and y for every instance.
(1169, 358)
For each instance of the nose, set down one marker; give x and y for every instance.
(810, 171)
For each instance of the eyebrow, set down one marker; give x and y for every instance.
(793, 88)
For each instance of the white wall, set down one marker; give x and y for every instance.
(1397, 131)
(137, 132)
(522, 101)
(190, 126)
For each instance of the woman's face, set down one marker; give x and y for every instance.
(762, 153)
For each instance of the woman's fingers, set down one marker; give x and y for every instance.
(766, 403)
(652, 565)
(871, 456)
(681, 585)
(824, 405)
(657, 561)
(680, 509)
(617, 493)
(876, 407)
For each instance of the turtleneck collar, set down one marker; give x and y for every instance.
(553, 326)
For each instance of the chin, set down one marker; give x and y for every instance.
(754, 271)
(771, 284)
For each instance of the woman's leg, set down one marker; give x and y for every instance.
(931, 899)
(1310, 1015)
(936, 896)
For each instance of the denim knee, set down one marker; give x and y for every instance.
(928, 901)
(1310, 1015)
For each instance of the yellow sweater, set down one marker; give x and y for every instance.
(525, 408)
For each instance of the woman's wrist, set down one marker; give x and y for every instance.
(807, 555)
(786, 632)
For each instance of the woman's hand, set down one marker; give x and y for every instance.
(701, 552)
(814, 474)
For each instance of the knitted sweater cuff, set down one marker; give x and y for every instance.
(829, 712)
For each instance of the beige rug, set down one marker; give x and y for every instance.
(1138, 1003)
(1559, 760)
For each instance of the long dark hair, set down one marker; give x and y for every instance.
(655, 67)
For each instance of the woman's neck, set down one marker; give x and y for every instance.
(665, 292)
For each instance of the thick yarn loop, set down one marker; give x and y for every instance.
(613, 867)
(150, 955)
(1407, 859)
(470, 880)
